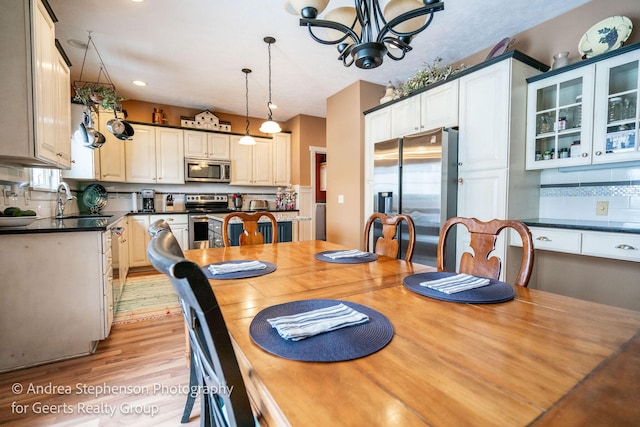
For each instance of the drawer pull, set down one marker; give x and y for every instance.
(626, 247)
(544, 239)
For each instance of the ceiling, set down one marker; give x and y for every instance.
(191, 53)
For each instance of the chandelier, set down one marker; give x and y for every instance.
(270, 126)
(364, 34)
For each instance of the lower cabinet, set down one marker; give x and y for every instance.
(285, 233)
(139, 236)
(59, 306)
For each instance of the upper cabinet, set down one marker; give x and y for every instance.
(434, 108)
(155, 155)
(251, 164)
(282, 159)
(35, 77)
(586, 114)
(206, 145)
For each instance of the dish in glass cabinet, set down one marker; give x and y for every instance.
(16, 221)
(607, 35)
(94, 197)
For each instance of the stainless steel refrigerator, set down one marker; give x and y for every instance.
(417, 175)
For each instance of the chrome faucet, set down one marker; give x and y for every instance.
(68, 196)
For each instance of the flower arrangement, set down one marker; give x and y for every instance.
(237, 195)
(93, 94)
(432, 73)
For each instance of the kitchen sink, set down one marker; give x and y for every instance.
(82, 216)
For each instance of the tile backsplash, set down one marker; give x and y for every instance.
(574, 195)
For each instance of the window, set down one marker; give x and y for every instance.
(45, 179)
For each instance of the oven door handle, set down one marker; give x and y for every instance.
(192, 217)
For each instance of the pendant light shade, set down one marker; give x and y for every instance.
(270, 126)
(247, 139)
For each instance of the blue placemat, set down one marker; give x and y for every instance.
(342, 344)
(320, 256)
(494, 292)
(239, 274)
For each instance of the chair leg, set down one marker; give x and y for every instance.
(193, 391)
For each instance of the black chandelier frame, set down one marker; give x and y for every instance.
(368, 50)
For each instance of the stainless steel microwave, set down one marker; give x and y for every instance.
(203, 170)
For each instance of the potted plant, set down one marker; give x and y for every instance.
(95, 94)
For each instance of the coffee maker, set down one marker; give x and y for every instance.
(148, 200)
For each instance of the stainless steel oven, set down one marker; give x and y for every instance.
(198, 206)
(198, 231)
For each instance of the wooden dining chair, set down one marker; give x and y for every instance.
(251, 235)
(483, 241)
(387, 244)
(213, 366)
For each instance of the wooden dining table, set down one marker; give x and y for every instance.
(539, 359)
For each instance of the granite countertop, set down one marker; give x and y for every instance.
(605, 226)
(99, 222)
(221, 216)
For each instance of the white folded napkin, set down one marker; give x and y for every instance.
(457, 283)
(232, 267)
(307, 324)
(353, 253)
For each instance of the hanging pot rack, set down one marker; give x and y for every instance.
(93, 93)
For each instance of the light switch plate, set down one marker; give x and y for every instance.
(602, 208)
(340, 198)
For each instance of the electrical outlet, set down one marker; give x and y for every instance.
(340, 198)
(602, 208)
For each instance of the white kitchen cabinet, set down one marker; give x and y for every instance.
(405, 116)
(112, 153)
(140, 155)
(587, 114)
(485, 100)
(85, 162)
(62, 112)
(616, 119)
(620, 246)
(439, 106)
(169, 156)
(282, 159)
(434, 108)
(377, 125)
(252, 164)
(139, 236)
(206, 145)
(34, 77)
(59, 309)
(120, 253)
(559, 128)
(492, 181)
(155, 155)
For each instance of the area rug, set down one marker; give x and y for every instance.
(146, 297)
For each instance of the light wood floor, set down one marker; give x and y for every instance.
(142, 363)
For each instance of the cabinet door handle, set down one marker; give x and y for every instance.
(585, 154)
(459, 163)
(460, 180)
(626, 247)
(543, 239)
(598, 153)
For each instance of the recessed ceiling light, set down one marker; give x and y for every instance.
(77, 43)
(137, 1)
(139, 82)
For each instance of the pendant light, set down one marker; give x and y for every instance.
(247, 139)
(270, 126)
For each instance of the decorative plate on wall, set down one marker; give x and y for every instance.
(94, 197)
(608, 34)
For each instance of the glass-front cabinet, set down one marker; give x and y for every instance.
(616, 127)
(585, 115)
(560, 133)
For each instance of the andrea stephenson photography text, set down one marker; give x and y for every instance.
(29, 392)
